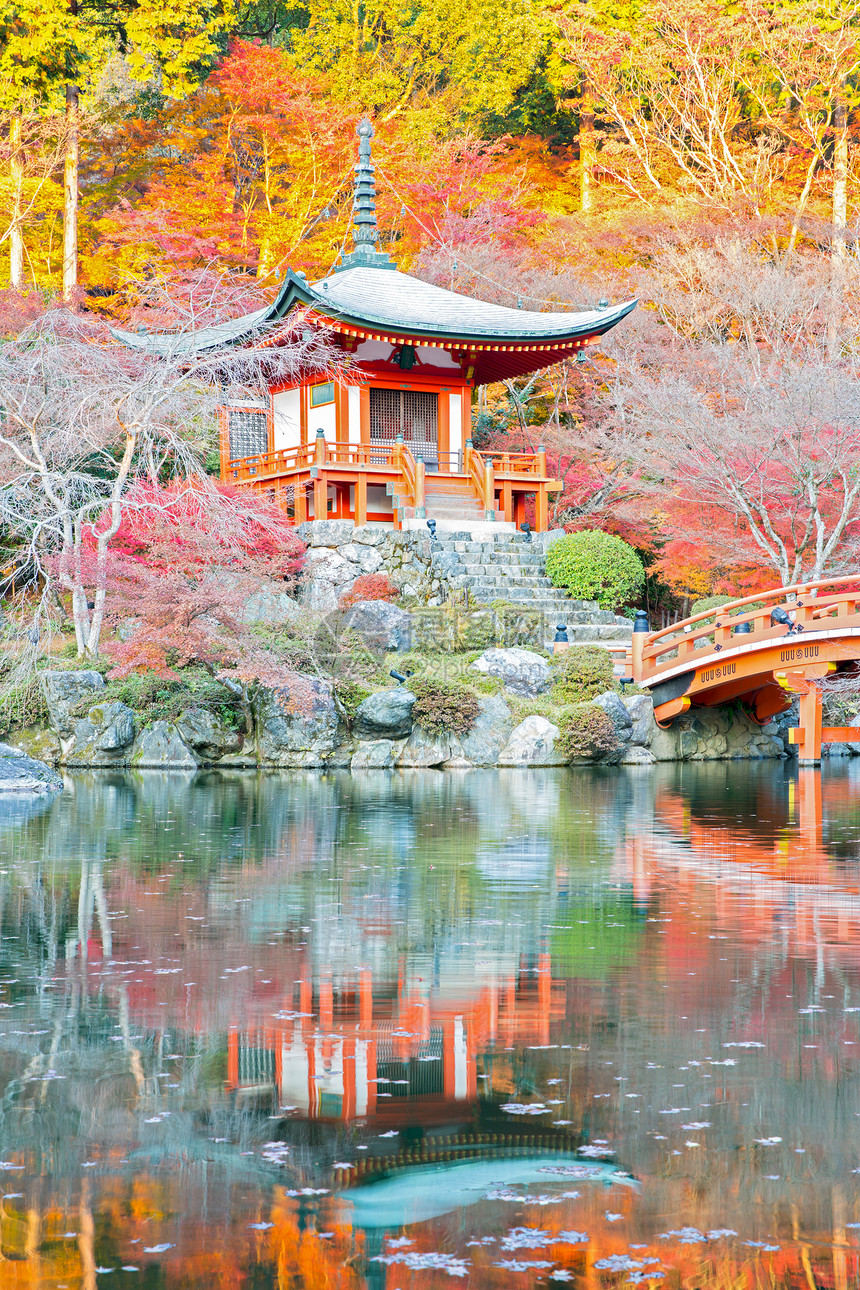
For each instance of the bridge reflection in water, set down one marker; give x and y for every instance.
(784, 872)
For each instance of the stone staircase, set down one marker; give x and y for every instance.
(511, 566)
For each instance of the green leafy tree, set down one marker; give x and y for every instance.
(52, 50)
(465, 60)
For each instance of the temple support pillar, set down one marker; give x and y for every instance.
(319, 476)
(360, 499)
(507, 501)
(320, 497)
(300, 502)
(541, 510)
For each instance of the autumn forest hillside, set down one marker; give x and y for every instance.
(698, 155)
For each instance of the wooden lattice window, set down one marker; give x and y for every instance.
(249, 432)
(412, 413)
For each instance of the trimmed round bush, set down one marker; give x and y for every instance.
(582, 672)
(587, 733)
(593, 565)
(443, 707)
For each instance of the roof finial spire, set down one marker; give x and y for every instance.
(365, 232)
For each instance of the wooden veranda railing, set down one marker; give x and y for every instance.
(517, 463)
(412, 470)
(481, 472)
(510, 477)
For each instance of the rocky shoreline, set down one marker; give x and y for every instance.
(382, 733)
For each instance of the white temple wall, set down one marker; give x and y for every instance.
(354, 414)
(323, 418)
(455, 422)
(286, 419)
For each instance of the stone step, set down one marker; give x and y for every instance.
(479, 564)
(536, 584)
(593, 632)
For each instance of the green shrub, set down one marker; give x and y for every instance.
(587, 732)
(708, 602)
(444, 707)
(486, 684)
(163, 699)
(541, 705)
(583, 672)
(22, 705)
(350, 695)
(592, 565)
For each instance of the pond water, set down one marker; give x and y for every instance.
(485, 1029)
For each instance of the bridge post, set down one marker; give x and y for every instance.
(641, 628)
(809, 729)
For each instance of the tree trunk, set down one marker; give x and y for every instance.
(801, 205)
(587, 152)
(70, 192)
(838, 248)
(16, 232)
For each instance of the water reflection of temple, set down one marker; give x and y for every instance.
(355, 1051)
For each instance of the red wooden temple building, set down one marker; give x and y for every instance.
(389, 440)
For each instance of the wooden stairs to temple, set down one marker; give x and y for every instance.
(449, 497)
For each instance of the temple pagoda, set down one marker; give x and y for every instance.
(389, 440)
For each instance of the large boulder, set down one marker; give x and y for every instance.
(372, 535)
(386, 715)
(640, 709)
(103, 737)
(160, 747)
(532, 743)
(366, 557)
(40, 742)
(25, 775)
(315, 533)
(376, 754)
(521, 670)
(304, 734)
(422, 749)
(490, 733)
(382, 626)
(63, 691)
(209, 737)
(325, 577)
(617, 712)
(272, 607)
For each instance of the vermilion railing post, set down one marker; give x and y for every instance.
(489, 491)
(541, 461)
(420, 509)
(320, 481)
(641, 630)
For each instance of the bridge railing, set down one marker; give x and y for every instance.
(810, 605)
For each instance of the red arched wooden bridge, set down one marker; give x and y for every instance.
(739, 652)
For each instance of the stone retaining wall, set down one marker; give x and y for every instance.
(383, 734)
